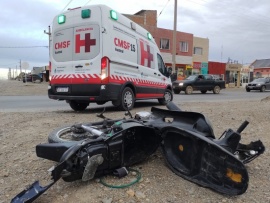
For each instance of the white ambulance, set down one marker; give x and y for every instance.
(98, 55)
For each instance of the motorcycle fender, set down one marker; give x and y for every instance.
(200, 160)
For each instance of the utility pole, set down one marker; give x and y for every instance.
(174, 36)
(20, 66)
(9, 73)
(49, 34)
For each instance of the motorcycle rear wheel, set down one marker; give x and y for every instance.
(65, 134)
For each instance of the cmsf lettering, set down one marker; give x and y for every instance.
(62, 45)
(124, 44)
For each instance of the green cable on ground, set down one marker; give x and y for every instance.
(138, 177)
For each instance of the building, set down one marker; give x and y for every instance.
(233, 74)
(200, 55)
(261, 68)
(191, 52)
(217, 68)
(42, 72)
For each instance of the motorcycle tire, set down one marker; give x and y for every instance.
(63, 134)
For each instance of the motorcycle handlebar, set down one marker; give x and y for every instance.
(242, 126)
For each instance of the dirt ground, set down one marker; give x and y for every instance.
(21, 132)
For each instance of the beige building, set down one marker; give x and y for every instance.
(200, 49)
(200, 55)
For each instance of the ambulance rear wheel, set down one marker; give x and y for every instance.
(78, 106)
(168, 96)
(127, 99)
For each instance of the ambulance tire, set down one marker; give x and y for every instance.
(127, 99)
(78, 106)
(168, 96)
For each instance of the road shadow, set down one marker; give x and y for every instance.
(111, 108)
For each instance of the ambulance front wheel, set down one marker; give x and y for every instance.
(126, 100)
(78, 106)
(168, 96)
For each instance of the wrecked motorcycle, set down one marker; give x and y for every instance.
(87, 150)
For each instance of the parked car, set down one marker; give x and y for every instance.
(201, 83)
(261, 84)
(32, 78)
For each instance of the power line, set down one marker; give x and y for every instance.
(87, 3)
(9, 64)
(67, 5)
(8, 47)
(163, 8)
(40, 35)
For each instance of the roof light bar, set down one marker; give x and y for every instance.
(61, 19)
(86, 13)
(149, 36)
(113, 15)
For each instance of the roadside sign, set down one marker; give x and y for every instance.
(25, 65)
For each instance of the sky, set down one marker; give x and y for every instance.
(236, 29)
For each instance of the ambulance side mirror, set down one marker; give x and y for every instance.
(168, 71)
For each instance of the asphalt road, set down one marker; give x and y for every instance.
(43, 103)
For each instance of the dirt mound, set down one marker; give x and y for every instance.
(265, 99)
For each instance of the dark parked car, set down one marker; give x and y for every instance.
(261, 84)
(201, 83)
(32, 78)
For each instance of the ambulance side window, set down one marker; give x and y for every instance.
(161, 66)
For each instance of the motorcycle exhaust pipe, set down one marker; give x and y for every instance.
(93, 131)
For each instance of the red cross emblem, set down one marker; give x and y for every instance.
(146, 54)
(87, 42)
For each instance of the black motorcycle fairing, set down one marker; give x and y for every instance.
(75, 165)
(125, 148)
(139, 142)
(183, 119)
(200, 160)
